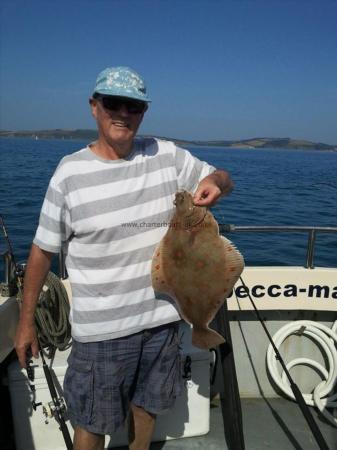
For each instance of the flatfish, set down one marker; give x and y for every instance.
(196, 267)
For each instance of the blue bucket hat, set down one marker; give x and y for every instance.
(122, 82)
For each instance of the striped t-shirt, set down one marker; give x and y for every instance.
(108, 216)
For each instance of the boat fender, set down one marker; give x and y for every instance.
(326, 338)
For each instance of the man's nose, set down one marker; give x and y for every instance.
(123, 110)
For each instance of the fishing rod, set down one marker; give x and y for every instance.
(18, 273)
(297, 393)
(58, 405)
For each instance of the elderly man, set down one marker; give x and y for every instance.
(102, 206)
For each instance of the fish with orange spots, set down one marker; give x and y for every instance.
(197, 267)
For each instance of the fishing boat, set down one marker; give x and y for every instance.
(247, 405)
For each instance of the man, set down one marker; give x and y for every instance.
(102, 207)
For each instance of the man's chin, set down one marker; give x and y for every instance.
(121, 141)
(121, 133)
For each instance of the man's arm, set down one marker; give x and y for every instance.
(38, 265)
(212, 187)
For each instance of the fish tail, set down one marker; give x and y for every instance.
(206, 338)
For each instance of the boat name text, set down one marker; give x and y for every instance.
(288, 290)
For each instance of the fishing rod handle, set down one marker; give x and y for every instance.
(65, 433)
(309, 418)
(50, 383)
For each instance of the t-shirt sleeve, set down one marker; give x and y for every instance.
(190, 170)
(53, 228)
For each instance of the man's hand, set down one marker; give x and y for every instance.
(206, 194)
(26, 343)
(212, 187)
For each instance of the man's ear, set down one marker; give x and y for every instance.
(145, 109)
(93, 106)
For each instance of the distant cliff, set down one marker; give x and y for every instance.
(263, 142)
(268, 143)
(53, 134)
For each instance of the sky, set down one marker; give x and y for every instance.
(214, 69)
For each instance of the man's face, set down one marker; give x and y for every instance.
(117, 122)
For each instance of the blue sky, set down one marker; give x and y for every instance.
(214, 69)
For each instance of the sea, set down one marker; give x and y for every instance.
(272, 187)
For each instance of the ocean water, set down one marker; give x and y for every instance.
(272, 187)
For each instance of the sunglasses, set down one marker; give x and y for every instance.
(115, 104)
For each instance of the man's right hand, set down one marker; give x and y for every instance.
(26, 343)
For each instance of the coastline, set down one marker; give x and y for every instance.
(248, 144)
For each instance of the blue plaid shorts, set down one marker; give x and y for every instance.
(103, 377)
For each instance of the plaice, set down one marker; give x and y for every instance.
(197, 267)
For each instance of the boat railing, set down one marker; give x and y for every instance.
(311, 231)
(229, 228)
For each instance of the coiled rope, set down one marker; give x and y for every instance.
(51, 316)
(326, 338)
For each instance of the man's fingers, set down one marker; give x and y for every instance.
(201, 195)
(22, 356)
(35, 349)
(206, 195)
(26, 346)
(197, 196)
(203, 202)
(205, 198)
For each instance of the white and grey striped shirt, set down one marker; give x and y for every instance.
(108, 216)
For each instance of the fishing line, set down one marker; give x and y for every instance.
(297, 393)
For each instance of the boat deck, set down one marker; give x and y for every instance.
(276, 424)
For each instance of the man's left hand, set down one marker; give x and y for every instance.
(212, 187)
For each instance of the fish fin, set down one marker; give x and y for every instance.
(156, 270)
(158, 276)
(234, 264)
(206, 338)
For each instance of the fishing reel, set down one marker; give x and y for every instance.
(20, 270)
(9, 287)
(31, 377)
(49, 409)
(13, 276)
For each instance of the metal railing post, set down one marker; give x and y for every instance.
(62, 267)
(310, 249)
